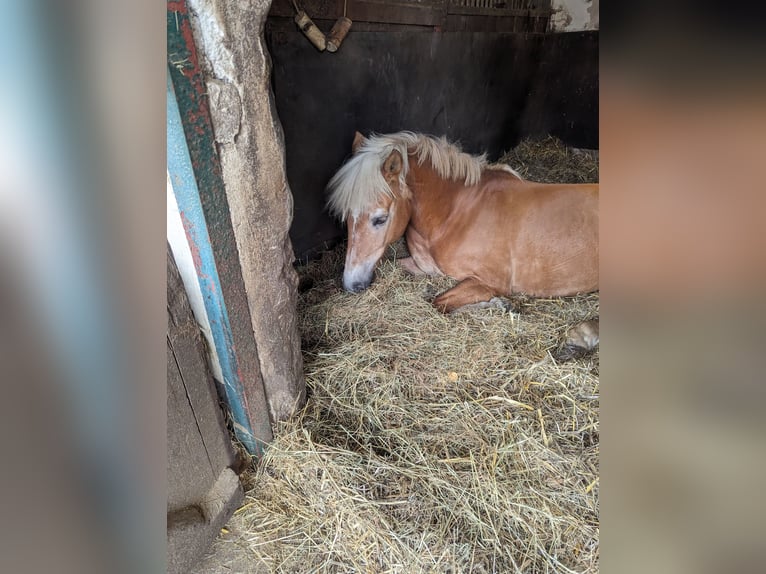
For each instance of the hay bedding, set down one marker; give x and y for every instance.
(433, 443)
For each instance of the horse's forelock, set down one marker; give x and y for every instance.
(359, 184)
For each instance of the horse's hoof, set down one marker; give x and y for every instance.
(568, 352)
(501, 303)
(505, 305)
(579, 341)
(429, 292)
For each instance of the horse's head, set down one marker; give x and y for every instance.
(370, 193)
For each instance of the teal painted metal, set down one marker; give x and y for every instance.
(190, 205)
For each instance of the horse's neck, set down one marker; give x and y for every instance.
(432, 197)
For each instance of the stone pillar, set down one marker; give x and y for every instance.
(229, 38)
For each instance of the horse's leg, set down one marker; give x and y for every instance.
(409, 265)
(578, 341)
(466, 292)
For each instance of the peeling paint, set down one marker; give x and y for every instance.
(229, 38)
(214, 39)
(253, 159)
(188, 260)
(574, 15)
(221, 279)
(225, 110)
(593, 13)
(191, 212)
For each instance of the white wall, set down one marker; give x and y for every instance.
(179, 245)
(574, 15)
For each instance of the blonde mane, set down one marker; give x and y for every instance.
(359, 183)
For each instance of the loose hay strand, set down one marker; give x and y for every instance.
(432, 443)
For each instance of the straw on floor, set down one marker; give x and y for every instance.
(433, 443)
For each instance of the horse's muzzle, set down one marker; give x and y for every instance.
(356, 278)
(356, 286)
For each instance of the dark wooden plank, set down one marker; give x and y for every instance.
(398, 13)
(506, 24)
(190, 473)
(316, 9)
(185, 340)
(501, 4)
(475, 23)
(495, 24)
(482, 11)
(455, 23)
(448, 16)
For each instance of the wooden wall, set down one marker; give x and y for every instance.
(202, 491)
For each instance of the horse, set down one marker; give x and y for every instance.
(479, 223)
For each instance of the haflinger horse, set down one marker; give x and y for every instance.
(476, 222)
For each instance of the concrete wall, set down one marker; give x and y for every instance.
(228, 36)
(574, 15)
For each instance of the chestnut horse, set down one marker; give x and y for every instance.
(476, 222)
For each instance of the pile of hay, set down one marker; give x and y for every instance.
(548, 160)
(430, 443)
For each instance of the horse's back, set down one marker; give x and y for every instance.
(540, 239)
(556, 246)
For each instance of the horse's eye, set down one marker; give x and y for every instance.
(379, 220)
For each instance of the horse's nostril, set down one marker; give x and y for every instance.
(357, 286)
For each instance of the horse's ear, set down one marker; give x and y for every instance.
(393, 164)
(358, 141)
